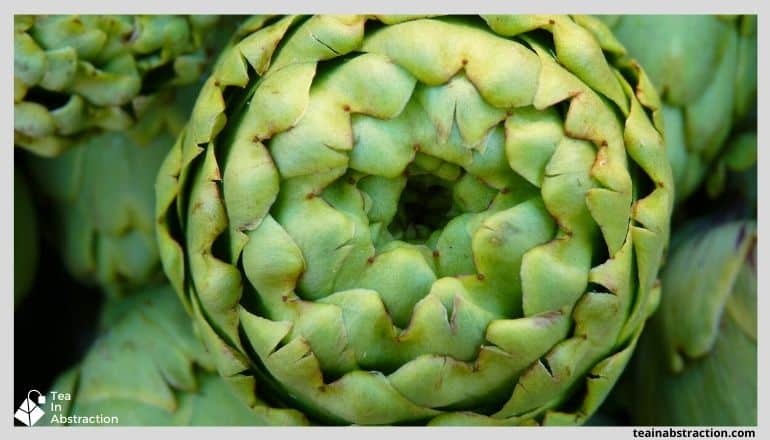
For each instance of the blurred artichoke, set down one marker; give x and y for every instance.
(76, 73)
(25, 238)
(454, 220)
(705, 68)
(697, 362)
(148, 369)
(102, 199)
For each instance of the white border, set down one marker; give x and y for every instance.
(10, 7)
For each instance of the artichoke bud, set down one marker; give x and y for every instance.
(444, 220)
(101, 198)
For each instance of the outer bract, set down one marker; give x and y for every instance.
(102, 200)
(705, 68)
(698, 358)
(394, 220)
(77, 73)
(25, 238)
(148, 369)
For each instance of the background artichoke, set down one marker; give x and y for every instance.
(705, 68)
(98, 195)
(148, 369)
(397, 220)
(100, 199)
(75, 73)
(697, 362)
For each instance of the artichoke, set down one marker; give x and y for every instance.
(74, 74)
(402, 220)
(705, 68)
(697, 362)
(26, 241)
(148, 369)
(101, 199)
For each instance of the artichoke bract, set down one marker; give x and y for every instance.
(705, 67)
(25, 238)
(698, 358)
(101, 198)
(148, 369)
(74, 74)
(402, 220)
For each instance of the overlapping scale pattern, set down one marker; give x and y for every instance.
(81, 73)
(446, 220)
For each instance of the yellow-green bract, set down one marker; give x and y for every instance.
(446, 220)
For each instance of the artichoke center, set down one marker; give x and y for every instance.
(425, 206)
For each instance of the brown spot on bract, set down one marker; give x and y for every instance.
(436, 254)
(351, 181)
(416, 147)
(551, 21)
(480, 277)
(370, 260)
(346, 108)
(310, 196)
(465, 62)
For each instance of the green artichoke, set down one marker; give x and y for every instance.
(75, 73)
(101, 198)
(697, 362)
(25, 241)
(705, 68)
(148, 369)
(400, 220)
